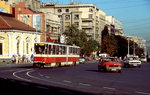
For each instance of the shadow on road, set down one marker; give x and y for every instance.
(15, 87)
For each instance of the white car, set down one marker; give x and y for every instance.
(143, 59)
(132, 62)
(82, 60)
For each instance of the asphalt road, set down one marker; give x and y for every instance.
(80, 79)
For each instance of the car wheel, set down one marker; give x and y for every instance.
(119, 71)
(139, 66)
(99, 69)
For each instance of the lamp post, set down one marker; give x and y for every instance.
(128, 47)
(133, 48)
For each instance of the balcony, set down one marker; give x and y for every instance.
(87, 19)
(87, 27)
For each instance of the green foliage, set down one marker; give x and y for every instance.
(79, 38)
(109, 45)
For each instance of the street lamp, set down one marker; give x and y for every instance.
(128, 47)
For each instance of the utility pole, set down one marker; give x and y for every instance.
(128, 47)
(134, 48)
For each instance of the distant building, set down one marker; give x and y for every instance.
(52, 27)
(85, 17)
(5, 8)
(115, 26)
(32, 4)
(16, 38)
(140, 42)
(28, 16)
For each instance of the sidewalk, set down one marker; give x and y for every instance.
(3, 64)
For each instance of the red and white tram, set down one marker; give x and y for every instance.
(49, 54)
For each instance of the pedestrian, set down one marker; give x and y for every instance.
(13, 59)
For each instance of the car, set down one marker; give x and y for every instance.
(132, 62)
(109, 64)
(82, 60)
(143, 59)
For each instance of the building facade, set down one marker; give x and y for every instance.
(30, 17)
(85, 16)
(115, 25)
(4, 7)
(16, 38)
(140, 42)
(32, 4)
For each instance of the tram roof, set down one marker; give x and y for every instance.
(42, 43)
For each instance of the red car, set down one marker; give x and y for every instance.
(109, 64)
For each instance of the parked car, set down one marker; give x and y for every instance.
(143, 59)
(132, 62)
(109, 64)
(82, 60)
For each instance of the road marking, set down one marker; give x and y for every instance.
(84, 84)
(28, 74)
(42, 87)
(144, 93)
(67, 81)
(41, 75)
(14, 74)
(110, 88)
(47, 76)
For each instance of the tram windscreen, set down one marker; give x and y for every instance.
(39, 48)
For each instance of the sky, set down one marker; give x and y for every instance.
(134, 14)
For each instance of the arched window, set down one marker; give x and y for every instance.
(27, 45)
(18, 44)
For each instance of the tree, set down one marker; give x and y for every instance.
(79, 38)
(109, 45)
(89, 47)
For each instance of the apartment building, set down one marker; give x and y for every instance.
(32, 4)
(140, 42)
(115, 25)
(53, 26)
(86, 17)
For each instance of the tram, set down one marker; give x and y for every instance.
(49, 54)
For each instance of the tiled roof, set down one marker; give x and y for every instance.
(7, 21)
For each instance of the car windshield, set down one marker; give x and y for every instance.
(108, 59)
(132, 58)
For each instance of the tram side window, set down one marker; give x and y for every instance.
(57, 49)
(61, 50)
(75, 50)
(70, 50)
(64, 50)
(39, 49)
(49, 49)
(46, 49)
(54, 49)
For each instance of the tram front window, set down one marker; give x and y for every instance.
(39, 49)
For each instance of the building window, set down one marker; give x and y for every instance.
(67, 24)
(59, 16)
(27, 48)
(59, 10)
(67, 10)
(90, 16)
(76, 16)
(27, 45)
(1, 48)
(76, 24)
(90, 10)
(67, 17)
(18, 42)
